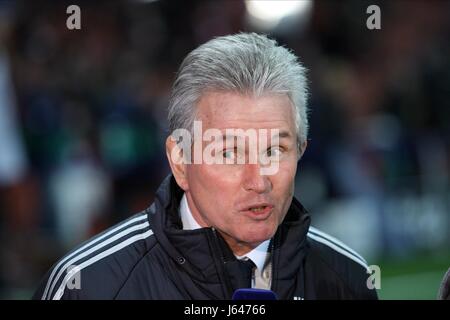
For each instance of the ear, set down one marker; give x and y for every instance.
(301, 149)
(176, 161)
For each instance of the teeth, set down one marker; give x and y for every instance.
(257, 209)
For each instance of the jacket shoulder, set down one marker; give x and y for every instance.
(344, 266)
(99, 267)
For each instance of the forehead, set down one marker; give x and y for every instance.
(224, 110)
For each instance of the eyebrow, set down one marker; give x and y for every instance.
(281, 135)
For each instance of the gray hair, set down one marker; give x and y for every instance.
(246, 63)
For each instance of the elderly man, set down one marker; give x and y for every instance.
(226, 217)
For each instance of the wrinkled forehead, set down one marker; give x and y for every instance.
(254, 135)
(224, 110)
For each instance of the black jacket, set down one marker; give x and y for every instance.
(149, 256)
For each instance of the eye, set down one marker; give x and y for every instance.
(229, 154)
(274, 152)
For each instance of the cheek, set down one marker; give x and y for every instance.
(211, 185)
(285, 177)
(284, 183)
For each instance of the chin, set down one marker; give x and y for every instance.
(258, 236)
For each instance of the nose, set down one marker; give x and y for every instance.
(254, 181)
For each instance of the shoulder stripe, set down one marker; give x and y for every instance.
(52, 280)
(95, 248)
(339, 243)
(121, 245)
(337, 248)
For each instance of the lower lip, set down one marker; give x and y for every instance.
(259, 215)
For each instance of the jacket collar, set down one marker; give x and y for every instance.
(197, 250)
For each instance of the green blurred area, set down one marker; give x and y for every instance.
(413, 278)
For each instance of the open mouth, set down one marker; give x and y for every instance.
(258, 209)
(261, 211)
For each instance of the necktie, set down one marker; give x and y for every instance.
(246, 267)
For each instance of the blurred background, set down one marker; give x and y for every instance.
(83, 124)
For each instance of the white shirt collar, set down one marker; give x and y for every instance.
(257, 255)
(189, 223)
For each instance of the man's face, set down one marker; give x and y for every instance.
(220, 195)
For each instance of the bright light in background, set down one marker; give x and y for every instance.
(268, 14)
